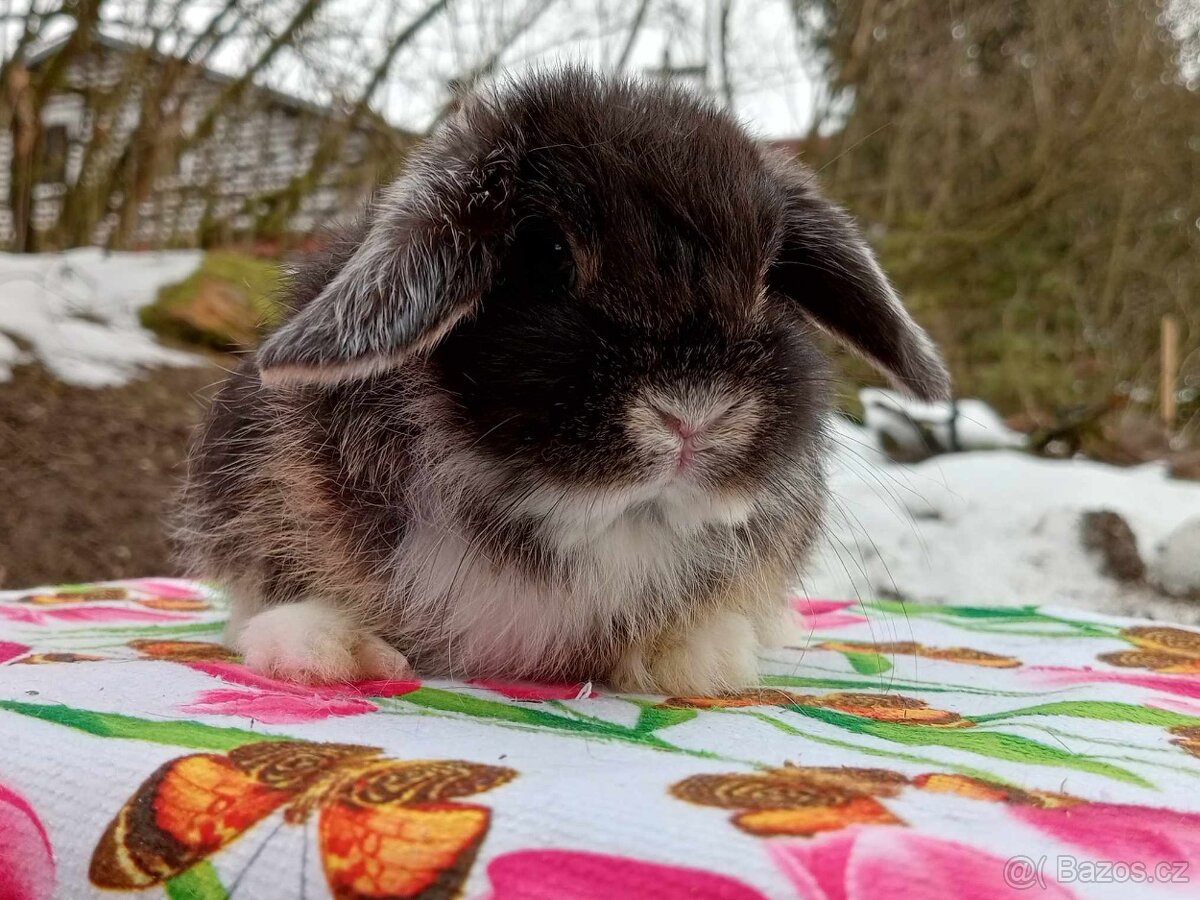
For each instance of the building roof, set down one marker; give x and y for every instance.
(370, 118)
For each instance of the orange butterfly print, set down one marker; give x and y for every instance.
(980, 789)
(964, 655)
(1160, 648)
(386, 827)
(36, 659)
(797, 800)
(116, 594)
(183, 651)
(881, 707)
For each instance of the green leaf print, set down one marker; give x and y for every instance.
(654, 717)
(449, 701)
(200, 882)
(909, 608)
(867, 663)
(112, 638)
(996, 745)
(1023, 613)
(995, 619)
(178, 733)
(937, 764)
(874, 685)
(1104, 710)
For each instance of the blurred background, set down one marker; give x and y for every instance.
(1029, 173)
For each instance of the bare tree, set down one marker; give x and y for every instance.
(26, 93)
(285, 202)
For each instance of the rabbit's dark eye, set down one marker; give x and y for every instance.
(539, 261)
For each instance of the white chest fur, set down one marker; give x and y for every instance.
(468, 612)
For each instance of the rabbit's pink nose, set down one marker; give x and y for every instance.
(689, 430)
(691, 422)
(683, 428)
(689, 426)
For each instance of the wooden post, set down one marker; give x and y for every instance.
(1170, 369)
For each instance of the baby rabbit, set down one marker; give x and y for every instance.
(554, 411)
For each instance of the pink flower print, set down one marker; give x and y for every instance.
(278, 702)
(1183, 685)
(26, 857)
(528, 690)
(33, 616)
(1122, 831)
(11, 650)
(864, 862)
(1187, 707)
(169, 594)
(822, 615)
(275, 707)
(166, 587)
(555, 874)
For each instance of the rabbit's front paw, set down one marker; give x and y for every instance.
(715, 655)
(315, 642)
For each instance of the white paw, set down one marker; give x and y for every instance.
(316, 642)
(714, 656)
(781, 628)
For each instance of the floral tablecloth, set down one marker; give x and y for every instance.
(903, 751)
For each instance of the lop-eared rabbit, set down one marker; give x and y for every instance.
(555, 409)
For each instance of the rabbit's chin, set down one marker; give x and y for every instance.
(570, 517)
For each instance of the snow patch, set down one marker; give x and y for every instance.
(77, 313)
(989, 527)
(1176, 566)
(912, 425)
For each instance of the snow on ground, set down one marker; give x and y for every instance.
(77, 312)
(989, 527)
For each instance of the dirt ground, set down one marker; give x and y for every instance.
(86, 475)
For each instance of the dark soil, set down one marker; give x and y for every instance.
(86, 475)
(1107, 534)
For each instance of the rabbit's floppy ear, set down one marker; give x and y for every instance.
(429, 253)
(824, 265)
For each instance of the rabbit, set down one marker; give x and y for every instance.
(554, 410)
